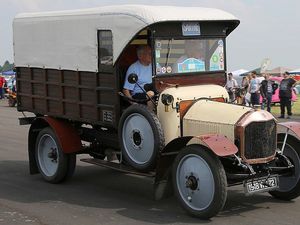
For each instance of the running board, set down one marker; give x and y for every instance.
(117, 166)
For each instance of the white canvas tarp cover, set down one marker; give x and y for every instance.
(68, 39)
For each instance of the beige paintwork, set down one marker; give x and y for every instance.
(204, 117)
(210, 117)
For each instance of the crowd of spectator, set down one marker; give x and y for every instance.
(257, 92)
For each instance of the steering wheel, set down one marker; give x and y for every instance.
(140, 101)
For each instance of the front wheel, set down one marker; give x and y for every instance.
(54, 165)
(199, 181)
(141, 137)
(289, 186)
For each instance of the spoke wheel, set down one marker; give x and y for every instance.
(53, 164)
(199, 182)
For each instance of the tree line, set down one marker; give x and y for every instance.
(6, 66)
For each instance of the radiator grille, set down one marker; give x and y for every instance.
(260, 139)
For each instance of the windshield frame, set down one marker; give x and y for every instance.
(166, 38)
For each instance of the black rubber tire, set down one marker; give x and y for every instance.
(158, 134)
(66, 162)
(219, 176)
(294, 192)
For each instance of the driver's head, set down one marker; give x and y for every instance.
(144, 54)
(230, 76)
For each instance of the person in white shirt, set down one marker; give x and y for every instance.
(230, 86)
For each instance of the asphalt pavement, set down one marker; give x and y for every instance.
(101, 196)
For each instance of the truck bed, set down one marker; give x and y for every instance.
(85, 97)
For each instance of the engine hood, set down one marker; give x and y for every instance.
(210, 117)
(204, 116)
(169, 117)
(197, 91)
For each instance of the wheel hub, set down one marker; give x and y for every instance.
(192, 182)
(53, 155)
(137, 139)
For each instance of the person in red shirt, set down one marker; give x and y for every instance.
(2, 82)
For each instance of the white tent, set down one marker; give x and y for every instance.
(239, 72)
(236, 75)
(295, 71)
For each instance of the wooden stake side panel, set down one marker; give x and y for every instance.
(80, 96)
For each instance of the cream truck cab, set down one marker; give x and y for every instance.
(71, 68)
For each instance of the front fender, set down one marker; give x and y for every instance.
(292, 128)
(219, 144)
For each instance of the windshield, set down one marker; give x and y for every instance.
(188, 55)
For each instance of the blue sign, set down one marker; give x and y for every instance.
(191, 65)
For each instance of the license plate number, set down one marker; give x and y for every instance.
(261, 185)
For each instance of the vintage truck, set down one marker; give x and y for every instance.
(71, 68)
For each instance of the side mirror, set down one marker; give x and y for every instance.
(132, 78)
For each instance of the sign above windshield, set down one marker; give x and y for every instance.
(190, 29)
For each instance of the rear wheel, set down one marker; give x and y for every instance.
(199, 182)
(289, 186)
(54, 165)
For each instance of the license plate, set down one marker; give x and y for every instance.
(261, 185)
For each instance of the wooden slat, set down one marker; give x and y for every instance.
(78, 93)
(62, 94)
(46, 89)
(31, 88)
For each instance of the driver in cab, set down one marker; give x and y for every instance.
(143, 69)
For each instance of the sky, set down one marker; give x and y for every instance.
(268, 28)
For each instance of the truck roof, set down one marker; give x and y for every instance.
(68, 40)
